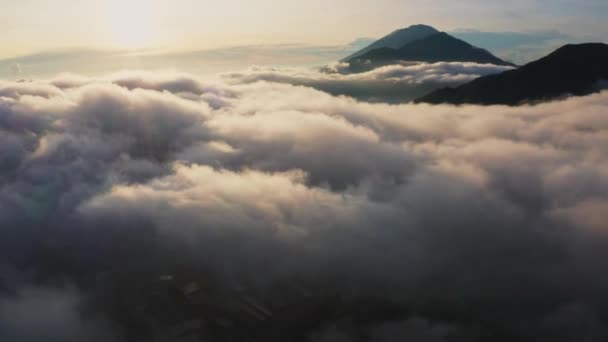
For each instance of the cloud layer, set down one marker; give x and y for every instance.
(476, 223)
(396, 83)
(203, 61)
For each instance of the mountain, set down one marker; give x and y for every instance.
(438, 47)
(570, 70)
(397, 39)
(443, 47)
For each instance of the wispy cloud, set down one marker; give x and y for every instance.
(205, 61)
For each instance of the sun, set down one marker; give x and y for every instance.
(131, 22)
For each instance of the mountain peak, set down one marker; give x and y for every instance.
(397, 39)
(419, 28)
(437, 47)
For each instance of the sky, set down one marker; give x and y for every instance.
(31, 26)
(41, 38)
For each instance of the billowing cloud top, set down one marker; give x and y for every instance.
(473, 221)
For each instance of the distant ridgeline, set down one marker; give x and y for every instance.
(418, 43)
(571, 70)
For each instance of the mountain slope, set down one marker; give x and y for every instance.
(443, 47)
(439, 47)
(397, 39)
(570, 70)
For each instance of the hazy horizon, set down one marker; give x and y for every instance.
(516, 47)
(42, 38)
(36, 25)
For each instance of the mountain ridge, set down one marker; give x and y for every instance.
(573, 69)
(397, 39)
(418, 43)
(439, 47)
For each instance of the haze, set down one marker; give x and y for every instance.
(32, 26)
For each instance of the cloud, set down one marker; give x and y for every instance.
(393, 83)
(15, 69)
(36, 314)
(432, 223)
(205, 61)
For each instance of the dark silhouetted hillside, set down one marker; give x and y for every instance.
(570, 70)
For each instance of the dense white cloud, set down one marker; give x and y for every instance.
(454, 213)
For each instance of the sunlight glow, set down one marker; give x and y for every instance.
(131, 22)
